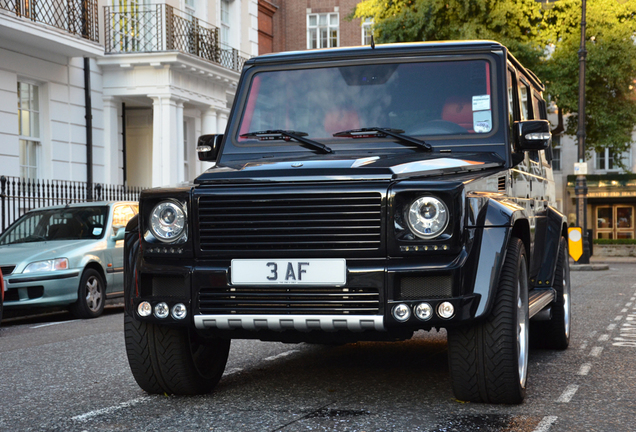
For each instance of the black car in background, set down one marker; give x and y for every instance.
(360, 194)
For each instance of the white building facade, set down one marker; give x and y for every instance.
(161, 74)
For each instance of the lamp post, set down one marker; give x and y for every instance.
(580, 188)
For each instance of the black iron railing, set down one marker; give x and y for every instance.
(19, 195)
(161, 27)
(77, 17)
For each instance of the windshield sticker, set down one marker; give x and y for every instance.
(482, 121)
(97, 231)
(481, 103)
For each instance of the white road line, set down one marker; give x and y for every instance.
(585, 369)
(596, 351)
(568, 394)
(545, 424)
(629, 304)
(603, 338)
(593, 333)
(91, 414)
(611, 327)
(624, 310)
(618, 318)
(281, 355)
(53, 323)
(232, 371)
(583, 346)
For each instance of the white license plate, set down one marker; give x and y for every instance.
(289, 271)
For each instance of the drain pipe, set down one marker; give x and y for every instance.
(89, 129)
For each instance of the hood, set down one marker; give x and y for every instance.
(20, 254)
(337, 167)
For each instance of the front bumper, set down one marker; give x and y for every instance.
(41, 289)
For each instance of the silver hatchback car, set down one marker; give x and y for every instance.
(66, 255)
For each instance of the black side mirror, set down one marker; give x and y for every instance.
(208, 147)
(531, 135)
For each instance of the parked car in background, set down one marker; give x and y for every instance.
(66, 255)
(1, 294)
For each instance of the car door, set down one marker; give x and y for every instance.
(121, 214)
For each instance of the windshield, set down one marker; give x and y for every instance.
(424, 98)
(60, 224)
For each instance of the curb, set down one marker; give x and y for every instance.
(588, 267)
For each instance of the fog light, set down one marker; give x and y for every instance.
(162, 310)
(445, 310)
(179, 311)
(424, 311)
(144, 309)
(401, 312)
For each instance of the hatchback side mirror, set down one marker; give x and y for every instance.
(531, 135)
(208, 147)
(120, 232)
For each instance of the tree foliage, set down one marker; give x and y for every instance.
(545, 37)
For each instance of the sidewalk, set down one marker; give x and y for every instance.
(600, 263)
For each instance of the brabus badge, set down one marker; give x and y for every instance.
(297, 165)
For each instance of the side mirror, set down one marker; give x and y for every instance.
(531, 135)
(120, 232)
(208, 147)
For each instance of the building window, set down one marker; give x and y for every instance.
(29, 129)
(556, 153)
(190, 6)
(606, 160)
(367, 31)
(322, 30)
(225, 23)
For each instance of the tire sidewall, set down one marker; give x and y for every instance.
(81, 308)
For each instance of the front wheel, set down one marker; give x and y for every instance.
(488, 361)
(91, 295)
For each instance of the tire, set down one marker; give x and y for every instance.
(173, 360)
(165, 359)
(488, 361)
(555, 333)
(91, 295)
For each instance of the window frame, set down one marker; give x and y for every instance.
(318, 27)
(28, 168)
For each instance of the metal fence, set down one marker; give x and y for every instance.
(78, 17)
(19, 195)
(161, 27)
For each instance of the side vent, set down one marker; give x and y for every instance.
(501, 184)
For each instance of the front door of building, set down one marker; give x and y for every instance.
(614, 221)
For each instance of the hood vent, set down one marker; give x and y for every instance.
(501, 184)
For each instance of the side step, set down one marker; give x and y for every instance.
(539, 299)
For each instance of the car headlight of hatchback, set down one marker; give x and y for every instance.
(47, 265)
(168, 221)
(427, 217)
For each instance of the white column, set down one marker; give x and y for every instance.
(208, 121)
(164, 138)
(112, 141)
(180, 144)
(222, 120)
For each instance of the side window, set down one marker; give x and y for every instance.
(512, 89)
(122, 214)
(524, 99)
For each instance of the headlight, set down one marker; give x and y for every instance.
(47, 265)
(168, 221)
(427, 217)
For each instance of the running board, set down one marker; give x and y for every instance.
(539, 299)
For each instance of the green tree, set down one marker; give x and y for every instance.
(545, 37)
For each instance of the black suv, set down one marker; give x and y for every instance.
(360, 194)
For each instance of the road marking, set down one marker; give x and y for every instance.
(583, 345)
(281, 355)
(545, 424)
(593, 333)
(568, 394)
(91, 414)
(624, 310)
(618, 318)
(629, 304)
(603, 338)
(585, 369)
(596, 351)
(53, 323)
(611, 327)
(232, 371)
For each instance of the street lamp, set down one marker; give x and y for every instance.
(580, 189)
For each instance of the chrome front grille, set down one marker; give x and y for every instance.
(281, 221)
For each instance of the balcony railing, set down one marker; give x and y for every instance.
(77, 17)
(19, 195)
(161, 27)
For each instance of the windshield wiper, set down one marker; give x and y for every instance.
(281, 134)
(394, 133)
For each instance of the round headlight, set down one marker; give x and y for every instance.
(428, 217)
(167, 221)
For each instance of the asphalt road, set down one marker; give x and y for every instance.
(61, 374)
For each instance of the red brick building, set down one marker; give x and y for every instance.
(291, 25)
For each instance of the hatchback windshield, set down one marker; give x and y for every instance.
(74, 223)
(423, 98)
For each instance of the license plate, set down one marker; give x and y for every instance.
(289, 271)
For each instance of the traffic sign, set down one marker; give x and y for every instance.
(575, 242)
